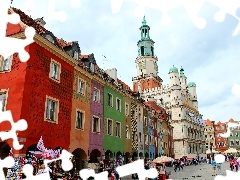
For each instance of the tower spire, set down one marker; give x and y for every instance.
(144, 22)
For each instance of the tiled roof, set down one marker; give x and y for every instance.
(125, 86)
(219, 123)
(231, 120)
(29, 21)
(84, 56)
(154, 106)
(32, 23)
(208, 122)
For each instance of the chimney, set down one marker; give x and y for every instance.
(40, 21)
(112, 73)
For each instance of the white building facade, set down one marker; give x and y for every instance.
(179, 98)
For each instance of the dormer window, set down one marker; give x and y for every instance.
(50, 38)
(75, 55)
(92, 67)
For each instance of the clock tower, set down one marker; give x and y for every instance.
(146, 62)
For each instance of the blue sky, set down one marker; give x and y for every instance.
(209, 56)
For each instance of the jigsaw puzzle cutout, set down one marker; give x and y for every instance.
(8, 162)
(192, 9)
(52, 13)
(236, 89)
(221, 158)
(20, 125)
(66, 166)
(17, 45)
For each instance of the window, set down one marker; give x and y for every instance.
(55, 70)
(140, 137)
(75, 55)
(237, 142)
(3, 98)
(232, 143)
(127, 133)
(51, 109)
(96, 95)
(81, 86)
(145, 121)
(49, 38)
(5, 64)
(118, 105)
(92, 67)
(109, 130)
(126, 109)
(110, 100)
(79, 120)
(96, 124)
(146, 139)
(118, 129)
(134, 135)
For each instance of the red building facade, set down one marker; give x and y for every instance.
(40, 90)
(221, 143)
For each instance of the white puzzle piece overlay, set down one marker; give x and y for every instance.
(18, 45)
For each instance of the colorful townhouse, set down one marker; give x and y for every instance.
(114, 125)
(127, 100)
(145, 131)
(95, 149)
(134, 127)
(234, 138)
(43, 86)
(209, 135)
(140, 130)
(151, 139)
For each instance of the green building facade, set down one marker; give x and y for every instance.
(114, 125)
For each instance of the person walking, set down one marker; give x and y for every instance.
(219, 168)
(231, 163)
(236, 164)
(213, 163)
(181, 164)
(116, 173)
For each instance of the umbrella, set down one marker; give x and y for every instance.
(162, 159)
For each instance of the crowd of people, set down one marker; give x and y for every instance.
(217, 167)
(56, 172)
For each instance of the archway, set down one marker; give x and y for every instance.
(94, 156)
(141, 155)
(146, 155)
(108, 154)
(32, 147)
(151, 155)
(79, 156)
(4, 152)
(118, 154)
(134, 155)
(127, 156)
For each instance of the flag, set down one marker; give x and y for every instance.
(40, 144)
